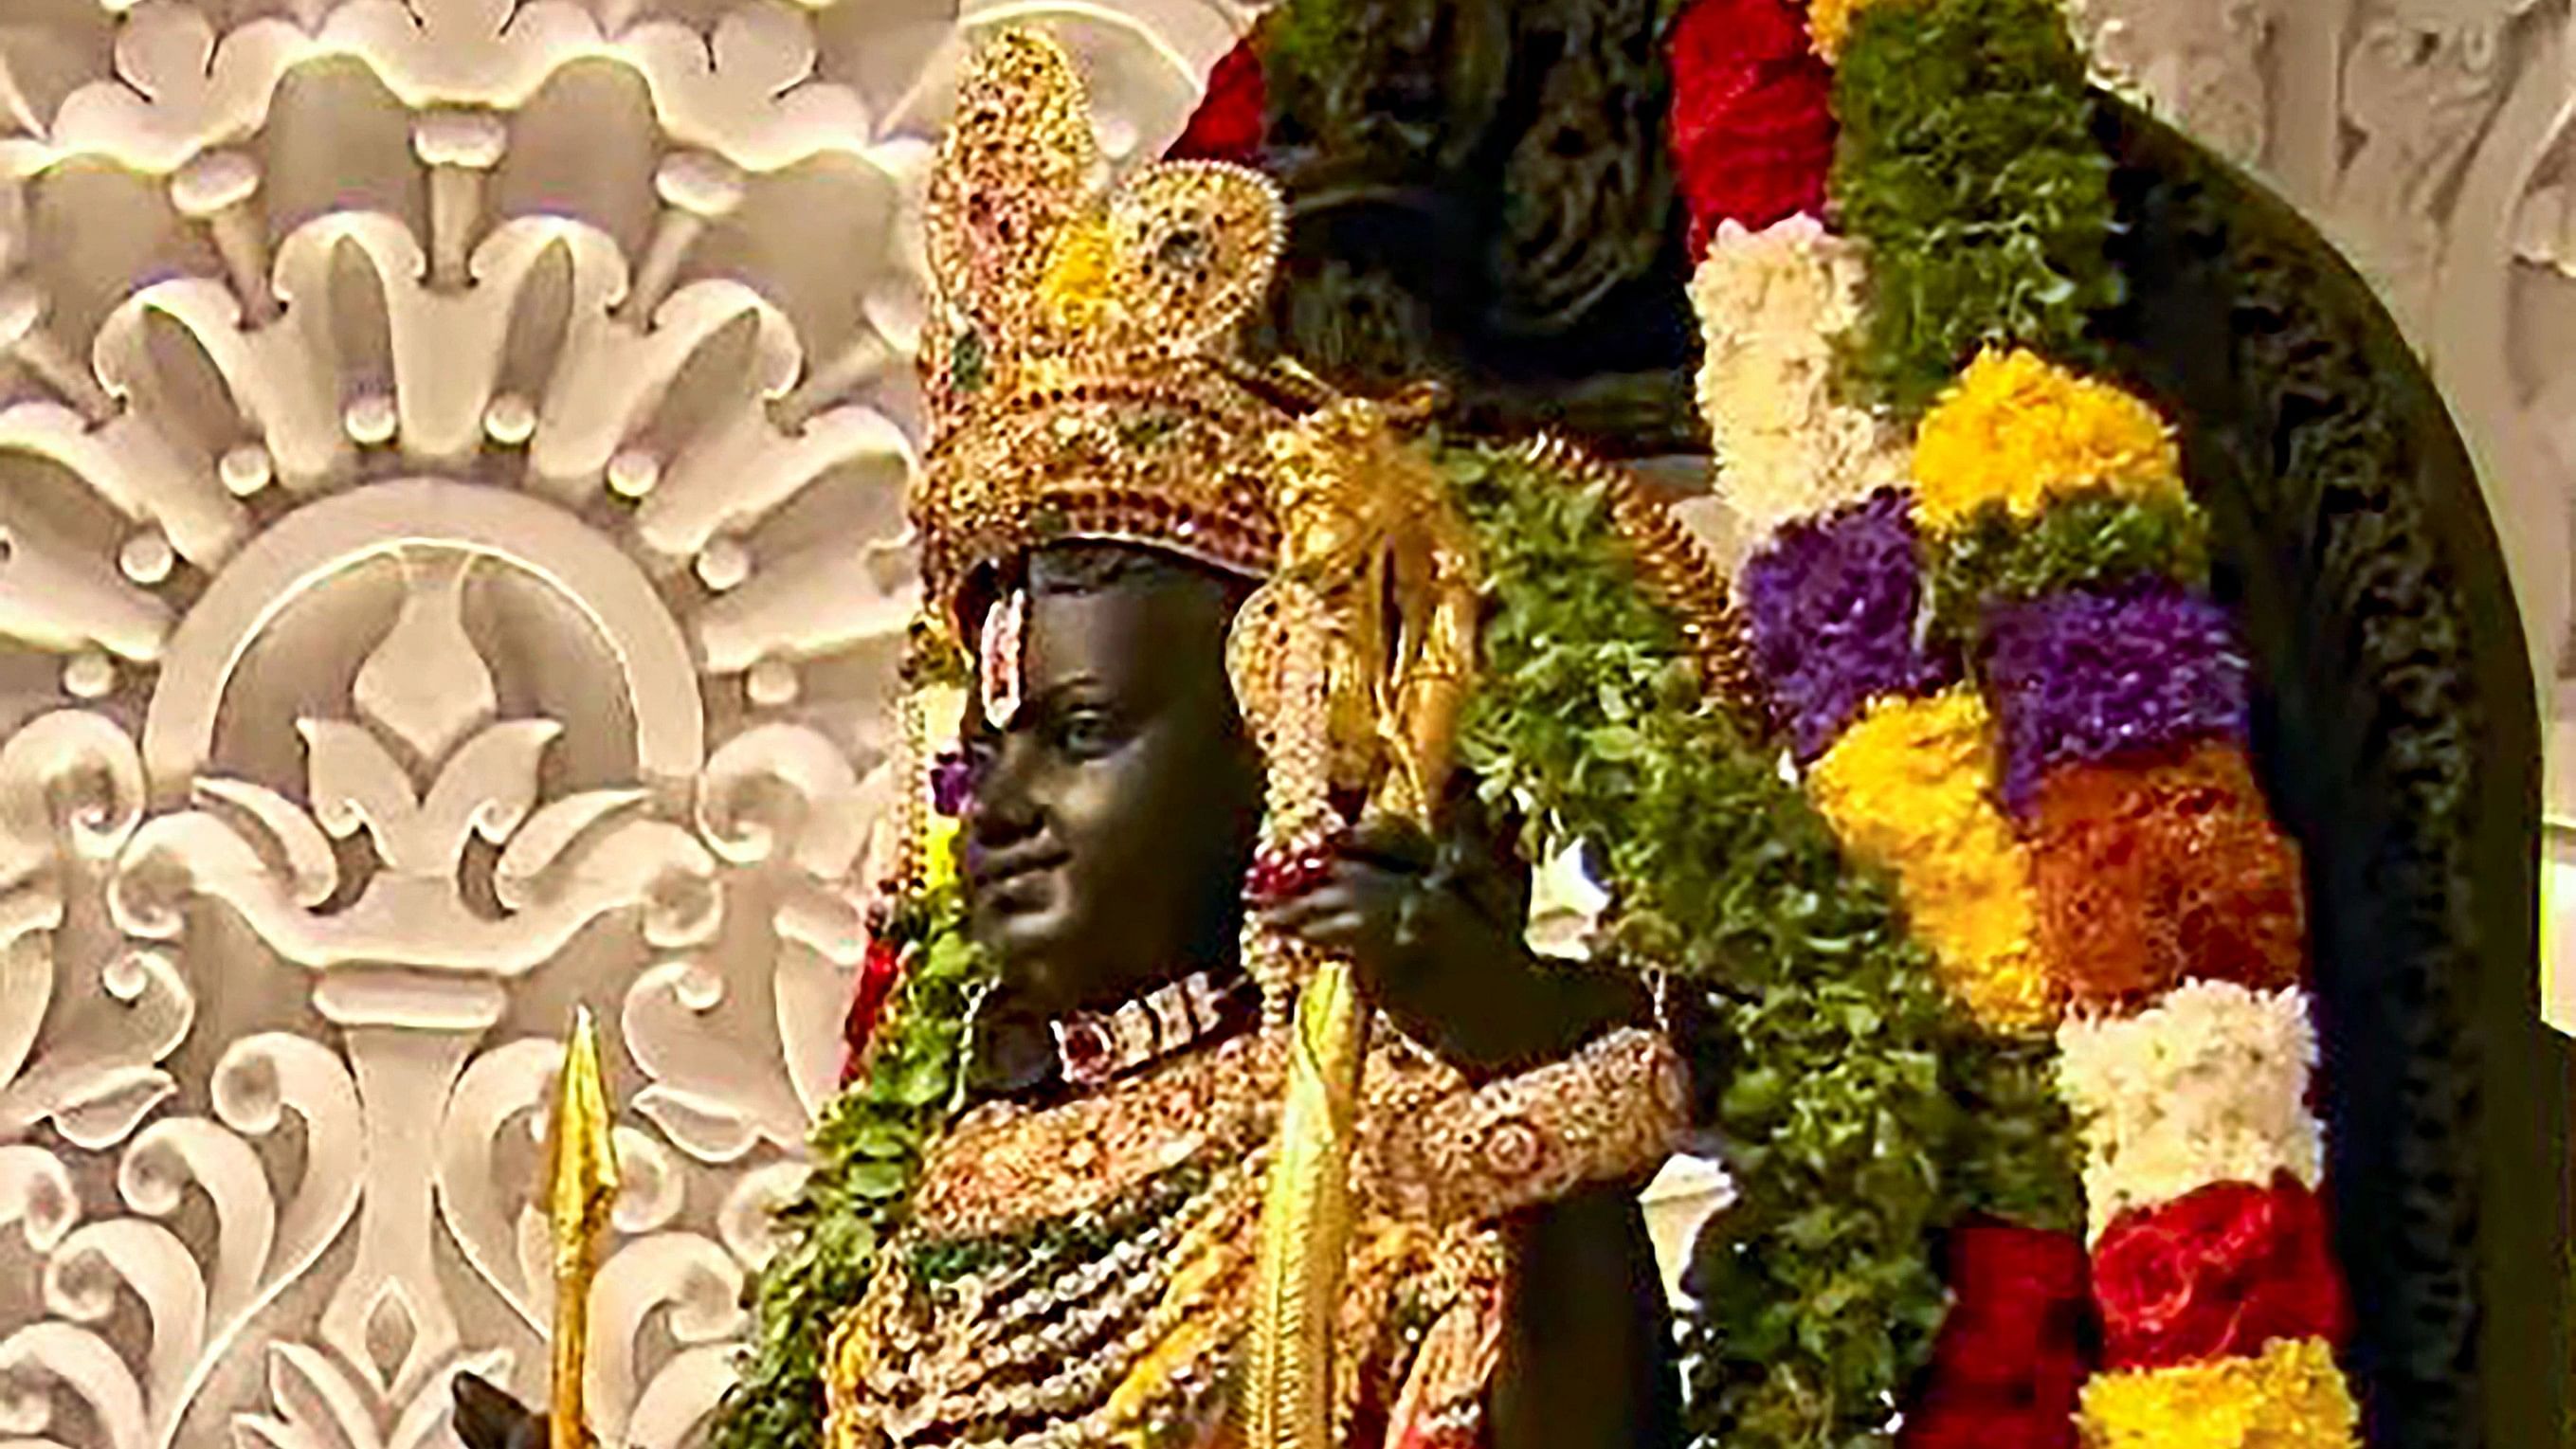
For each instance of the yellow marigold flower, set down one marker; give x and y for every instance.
(1075, 287)
(939, 851)
(1906, 788)
(1829, 25)
(2291, 1397)
(2019, 430)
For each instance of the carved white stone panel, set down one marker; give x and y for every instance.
(451, 567)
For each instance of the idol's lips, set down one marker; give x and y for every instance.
(994, 871)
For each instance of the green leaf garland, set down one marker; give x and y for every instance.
(1864, 1112)
(867, 1152)
(2087, 539)
(1967, 163)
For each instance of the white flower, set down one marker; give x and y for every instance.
(1565, 905)
(1771, 305)
(2208, 1085)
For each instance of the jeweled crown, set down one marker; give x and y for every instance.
(1080, 357)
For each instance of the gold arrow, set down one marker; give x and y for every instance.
(580, 1186)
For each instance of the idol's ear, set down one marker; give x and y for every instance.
(1196, 243)
(1016, 167)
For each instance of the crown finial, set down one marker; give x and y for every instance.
(1080, 360)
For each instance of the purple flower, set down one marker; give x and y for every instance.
(952, 782)
(1831, 605)
(2086, 676)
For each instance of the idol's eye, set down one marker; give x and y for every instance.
(1085, 732)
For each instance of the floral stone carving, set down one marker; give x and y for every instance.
(451, 567)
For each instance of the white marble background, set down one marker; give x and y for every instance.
(383, 674)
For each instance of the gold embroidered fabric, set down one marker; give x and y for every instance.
(1617, 1108)
(1080, 1275)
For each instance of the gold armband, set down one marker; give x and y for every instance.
(1615, 1109)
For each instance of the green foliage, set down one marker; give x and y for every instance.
(1857, 1092)
(2087, 539)
(1968, 165)
(867, 1152)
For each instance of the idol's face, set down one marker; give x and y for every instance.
(1113, 816)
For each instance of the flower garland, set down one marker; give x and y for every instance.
(2081, 827)
(1967, 168)
(1862, 1109)
(1755, 148)
(2016, 433)
(1775, 300)
(1900, 759)
(2172, 906)
(1906, 788)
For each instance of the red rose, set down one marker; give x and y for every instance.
(878, 972)
(1752, 128)
(2217, 1273)
(1234, 114)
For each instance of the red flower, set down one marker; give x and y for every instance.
(2217, 1273)
(1752, 129)
(1234, 114)
(2009, 1361)
(1972, 1424)
(878, 972)
(2016, 1309)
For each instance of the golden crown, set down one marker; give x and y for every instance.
(1079, 361)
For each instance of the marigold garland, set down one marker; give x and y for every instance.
(2210, 1084)
(1906, 789)
(2018, 430)
(2148, 873)
(2218, 1272)
(2291, 1397)
(1771, 304)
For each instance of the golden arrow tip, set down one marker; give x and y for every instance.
(582, 1158)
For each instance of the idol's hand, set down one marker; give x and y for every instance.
(1434, 931)
(487, 1418)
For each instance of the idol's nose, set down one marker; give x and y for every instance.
(1002, 808)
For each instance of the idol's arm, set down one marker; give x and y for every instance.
(1588, 1360)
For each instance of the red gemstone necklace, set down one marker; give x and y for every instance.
(1093, 1047)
